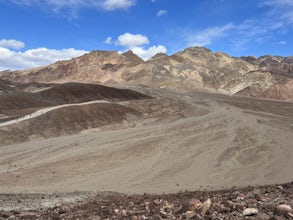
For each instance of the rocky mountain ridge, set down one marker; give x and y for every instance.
(193, 68)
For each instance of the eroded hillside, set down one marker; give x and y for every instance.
(193, 68)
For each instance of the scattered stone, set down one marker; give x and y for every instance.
(167, 206)
(62, 211)
(194, 204)
(231, 204)
(222, 204)
(158, 201)
(250, 212)
(206, 206)
(240, 198)
(124, 212)
(284, 208)
(163, 213)
(220, 208)
(134, 217)
(257, 195)
(189, 214)
(192, 215)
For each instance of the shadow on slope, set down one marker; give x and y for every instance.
(18, 103)
(68, 120)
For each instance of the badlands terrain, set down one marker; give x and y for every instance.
(196, 135)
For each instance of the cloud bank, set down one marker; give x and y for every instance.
(11, 58)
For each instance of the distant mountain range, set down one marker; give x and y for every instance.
(193, 68)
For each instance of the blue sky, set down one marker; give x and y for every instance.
(39, 32)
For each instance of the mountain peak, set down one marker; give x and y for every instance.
(199, 52)
(134, 59)
(158, 56)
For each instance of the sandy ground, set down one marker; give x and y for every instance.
(221, 147)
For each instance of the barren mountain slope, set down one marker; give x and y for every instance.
(192, 68)
(199, 68)
(280, 91)
(279, 66)
(96, 66)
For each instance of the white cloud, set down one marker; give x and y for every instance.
(132, 40)
(148, 53)
(108, 40)
(136, 42)
(10, 59)
(207, 36)
(72, 6)
(281, 9)
(162, 12)
(118, 4)
(14, 44)
(282, 42)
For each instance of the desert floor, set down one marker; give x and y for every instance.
(194, 141)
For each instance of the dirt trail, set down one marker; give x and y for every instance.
(45, 110)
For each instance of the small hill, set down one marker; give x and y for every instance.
(65, 121)
(81, 92)
(276, 91)
(14, 103)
